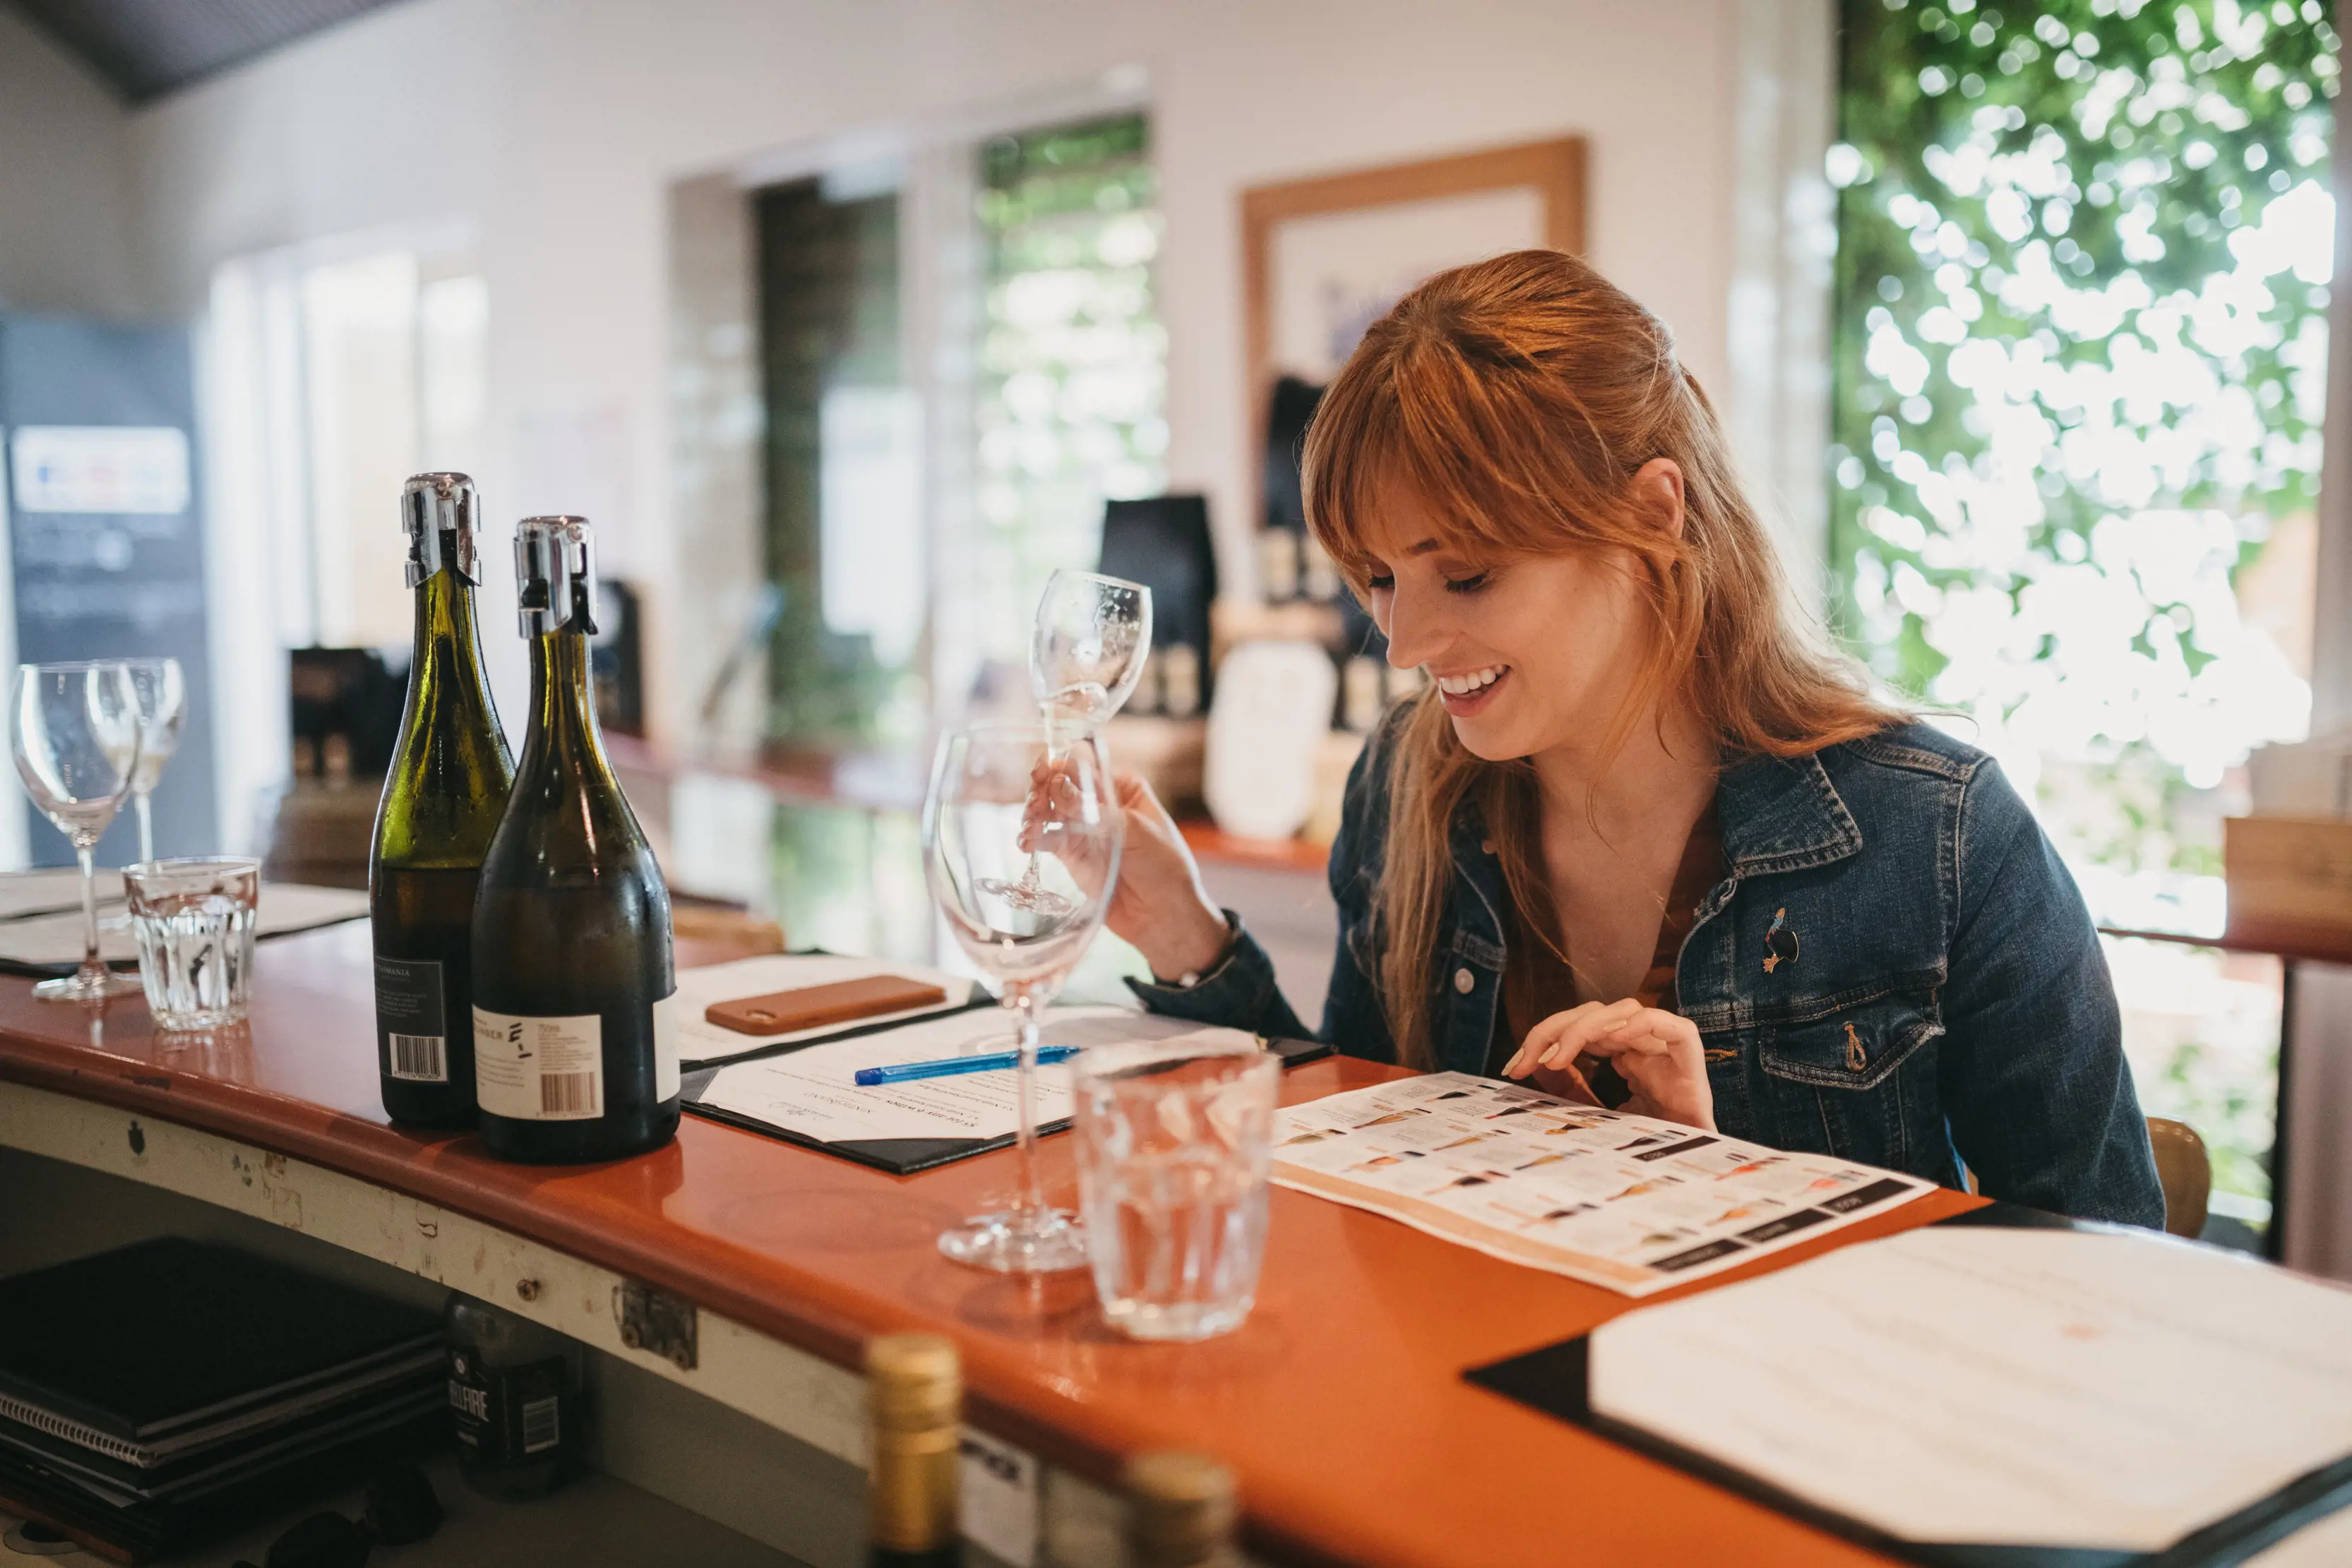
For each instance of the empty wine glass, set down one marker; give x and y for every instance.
(1087, 651)
(163, 710)
(75, 731)
(1000, 796)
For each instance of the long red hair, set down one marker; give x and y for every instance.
(1517, 397)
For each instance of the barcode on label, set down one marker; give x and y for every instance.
(567, 1094)
(418, 1057)
(541, 1427)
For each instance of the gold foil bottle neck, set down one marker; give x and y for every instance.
(914, 1403)
(1182, 1511)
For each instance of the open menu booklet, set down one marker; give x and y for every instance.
(1622, 1201)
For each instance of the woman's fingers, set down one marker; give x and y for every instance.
(1540, 1038)
(1659, 1055)
(1564, 1050)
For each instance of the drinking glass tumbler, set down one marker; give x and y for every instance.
(194, 919)
(1174, 1139)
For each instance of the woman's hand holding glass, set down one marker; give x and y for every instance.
(1160, 905)
(1656, 1052)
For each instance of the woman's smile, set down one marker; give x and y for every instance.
(1472, 691)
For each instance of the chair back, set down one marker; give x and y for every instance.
(2184, 1172)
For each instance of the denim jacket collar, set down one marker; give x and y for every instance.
(1778, 814)
(1782, 815)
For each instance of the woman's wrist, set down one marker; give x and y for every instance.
(1189, 947)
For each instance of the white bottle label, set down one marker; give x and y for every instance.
(665, 1048)
(540, 1069)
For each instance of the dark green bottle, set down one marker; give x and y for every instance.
(575, 1044)
(442, 800)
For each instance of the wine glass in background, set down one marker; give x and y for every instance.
(75, 731)
(1088, 649)
(1000, 796)
(162, 709)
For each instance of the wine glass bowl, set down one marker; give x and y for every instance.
(74, 730)
(1088, 649)
(163, 694)
(1003, 799)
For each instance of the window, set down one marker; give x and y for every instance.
(844, 501)
(333, 372)
(1073, 359)
(2084, 252)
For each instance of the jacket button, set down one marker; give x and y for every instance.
(1486, 846)
(1465, 981)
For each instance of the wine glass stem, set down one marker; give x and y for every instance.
(146, 827)
(88, 854)
(1032, 1195)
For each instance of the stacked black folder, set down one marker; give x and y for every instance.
(165, 1392)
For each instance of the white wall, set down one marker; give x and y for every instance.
(554, 131)
(66, 230)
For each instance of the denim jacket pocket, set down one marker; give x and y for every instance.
(1835, 1080)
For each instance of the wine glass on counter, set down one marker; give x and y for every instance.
(163, 694)
(74, 729)
(1000, 796)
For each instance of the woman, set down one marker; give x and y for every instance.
(1640, 837)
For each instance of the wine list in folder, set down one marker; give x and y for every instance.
(812, 1095)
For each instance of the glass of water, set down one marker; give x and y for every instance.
(194, 919)
(1175, 1138)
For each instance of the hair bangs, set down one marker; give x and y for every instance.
(1408, 418)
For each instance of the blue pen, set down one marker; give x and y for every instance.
(866, 1077)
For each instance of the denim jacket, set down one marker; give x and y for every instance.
(1898, 967)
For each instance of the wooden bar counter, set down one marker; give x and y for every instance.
(1340, 1405)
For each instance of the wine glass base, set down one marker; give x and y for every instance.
(86, 986)
(1038, 1241)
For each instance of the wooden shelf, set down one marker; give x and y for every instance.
(2293, 944)
(1210, 843)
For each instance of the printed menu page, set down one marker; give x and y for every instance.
(814, 1092)
(1622, 1201)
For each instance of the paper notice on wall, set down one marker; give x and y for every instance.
(110, 469)
(1622, 1201)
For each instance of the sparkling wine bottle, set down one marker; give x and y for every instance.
(914, 1390)
(576, 1045)
(442, 800)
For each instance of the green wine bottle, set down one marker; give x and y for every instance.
(575, 1042)
(442, 800)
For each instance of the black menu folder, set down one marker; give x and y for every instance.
(904, 1156)
(1554, 1380)
(162, 1387)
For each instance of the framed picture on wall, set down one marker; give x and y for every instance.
(1326, 257)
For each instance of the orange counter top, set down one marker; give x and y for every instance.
(1340, 1405)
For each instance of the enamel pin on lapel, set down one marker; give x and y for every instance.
(1779, 942)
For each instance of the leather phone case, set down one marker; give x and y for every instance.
(812, 1006)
